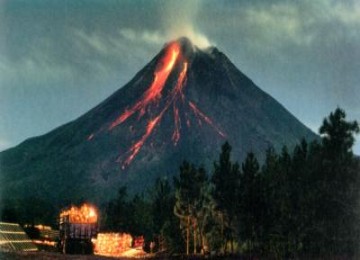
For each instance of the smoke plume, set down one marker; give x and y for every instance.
(179, 19)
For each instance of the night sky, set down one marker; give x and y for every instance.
(58, 59)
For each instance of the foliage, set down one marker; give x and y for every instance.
(189, 189)
(225, 179)
(297, 204)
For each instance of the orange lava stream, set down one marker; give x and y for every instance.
(202, 116)
(181, 82)
(176, 134)
(137, 146)
(152, 94)
(175, 93)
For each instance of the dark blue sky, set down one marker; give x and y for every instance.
(60, 58)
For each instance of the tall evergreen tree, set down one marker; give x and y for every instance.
(140, 217)
(251, 203)
(165, 223)
(117, 213)
(300, 191)
(162, 203)
(188, 196)
(276, 186)
(339, 194)
(225, 179)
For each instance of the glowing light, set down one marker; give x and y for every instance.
(176, 134)
(175, 94)
(202, 116)
(181, 81)
(112, 244)
(84, 214)
(118, 245)
(149, 104)
(137, 146)
(152, 94)
(92, 213)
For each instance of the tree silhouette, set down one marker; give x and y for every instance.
(225, 179)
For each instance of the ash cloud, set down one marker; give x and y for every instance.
(176, 19)
(179, 19)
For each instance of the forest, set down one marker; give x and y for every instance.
(298, 203)
(303, 202)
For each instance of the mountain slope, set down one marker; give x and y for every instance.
(182, 105)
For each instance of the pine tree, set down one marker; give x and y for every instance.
(300, 190)
(225, 179)
(140, 217)
(117, 212)
(251, 202)
(162, 203)
(339, 193)
(165, 226)
(188, 194)
(277, 202)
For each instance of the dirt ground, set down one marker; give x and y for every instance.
(52, 255)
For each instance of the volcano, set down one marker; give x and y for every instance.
(183, 105)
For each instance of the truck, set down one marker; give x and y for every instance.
(77, 227)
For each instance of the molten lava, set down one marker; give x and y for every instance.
(175, 94)
(150, 101)
(202, 116)
(152, 95)
(176, 134)
(137, 146)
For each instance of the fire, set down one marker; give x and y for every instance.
(84, 214)
(112, 244)
(151, 99)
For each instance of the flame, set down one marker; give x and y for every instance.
(84, 214)
(112, 244)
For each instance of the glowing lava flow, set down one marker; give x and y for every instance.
(176, 134)
(200, 114)
(151, 99)
(162, 72)
(137, 146)
(175, 94)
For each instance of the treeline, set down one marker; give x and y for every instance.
(299, 203)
